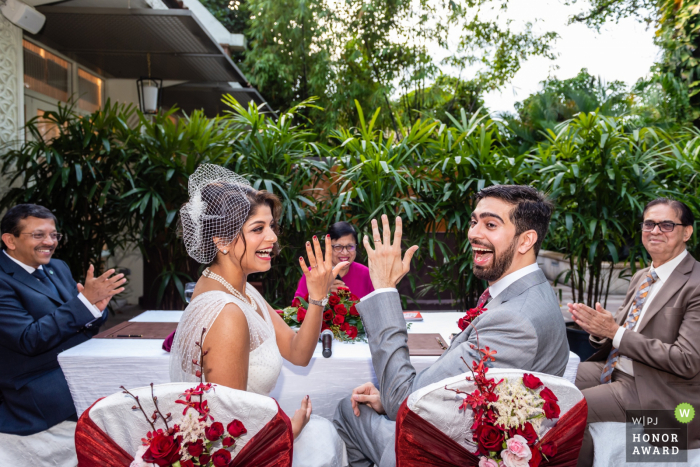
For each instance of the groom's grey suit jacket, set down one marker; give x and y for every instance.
(523, 324)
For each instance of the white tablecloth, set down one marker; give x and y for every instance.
(98, 367)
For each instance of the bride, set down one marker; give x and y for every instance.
(233, 228)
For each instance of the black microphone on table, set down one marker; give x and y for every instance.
(326, 342)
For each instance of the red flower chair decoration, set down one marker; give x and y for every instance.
(109, 432)
(432, 431)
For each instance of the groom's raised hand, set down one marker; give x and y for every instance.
(386, 267)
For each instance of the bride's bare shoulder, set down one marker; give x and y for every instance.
(231, 321)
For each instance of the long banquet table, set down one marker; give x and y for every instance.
(98, 367)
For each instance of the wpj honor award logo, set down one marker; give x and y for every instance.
(658, 435)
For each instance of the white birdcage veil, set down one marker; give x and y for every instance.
(218, 207)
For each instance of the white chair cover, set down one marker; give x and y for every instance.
(54, 447)
(440, 407)
(126, 426)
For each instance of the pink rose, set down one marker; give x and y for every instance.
(511, 460)
(488, 462)
(518, 446)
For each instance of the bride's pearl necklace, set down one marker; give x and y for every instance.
(211, 275)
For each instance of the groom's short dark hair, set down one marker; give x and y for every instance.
(532, 209)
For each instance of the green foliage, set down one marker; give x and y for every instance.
(462, 159)
(561, 100)
(111, 185)
(276, 156)
(365, 51)
(164, 155)
(600, 178)
(445, 96)
(78, 175)
(230, 13)
(671, 96)
(602, 11)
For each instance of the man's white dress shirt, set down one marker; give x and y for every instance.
(91, 308)
(664, 272)
(495, 289)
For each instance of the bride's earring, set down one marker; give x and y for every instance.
(225, 252)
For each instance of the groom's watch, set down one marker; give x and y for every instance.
(321, 303)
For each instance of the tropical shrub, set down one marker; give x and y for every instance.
(600, 177)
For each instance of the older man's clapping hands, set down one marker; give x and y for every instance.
(597, 322)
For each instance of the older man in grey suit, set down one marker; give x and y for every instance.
(522, 320)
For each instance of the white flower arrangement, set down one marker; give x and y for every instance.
(517, 405)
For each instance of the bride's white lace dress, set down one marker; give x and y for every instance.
(319, 444)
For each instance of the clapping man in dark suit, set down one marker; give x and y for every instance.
(42, 313)
(649, 355)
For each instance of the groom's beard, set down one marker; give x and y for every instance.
(500, 264)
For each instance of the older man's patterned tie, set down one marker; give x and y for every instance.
(632, 318)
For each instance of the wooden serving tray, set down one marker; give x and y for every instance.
(426, 345)
(129, 330)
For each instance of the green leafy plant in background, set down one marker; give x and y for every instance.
(380, 173)
(600, 177)
(165, 153)
(276, 156)
(75, 169)
(463, 158)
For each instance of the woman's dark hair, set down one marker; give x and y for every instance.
(10, 222)
(227, 205)
(682, 210)
(341, 229)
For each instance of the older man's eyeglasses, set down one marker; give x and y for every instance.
(665, 226)
(39, 236)
(338, 248)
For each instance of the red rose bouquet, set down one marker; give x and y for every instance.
(196, 440)
(507, 414)
(339, 315)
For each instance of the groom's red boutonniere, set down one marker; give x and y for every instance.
(471, 315)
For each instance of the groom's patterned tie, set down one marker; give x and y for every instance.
(483, 299)
(632, 318)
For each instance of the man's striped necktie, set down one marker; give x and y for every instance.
(632, 318)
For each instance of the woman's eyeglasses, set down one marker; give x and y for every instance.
(339, 248)
(665, 226)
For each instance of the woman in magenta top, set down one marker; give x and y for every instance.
(354, 276)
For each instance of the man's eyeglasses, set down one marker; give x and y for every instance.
(339, 248)
(665, 226)
(39, 236)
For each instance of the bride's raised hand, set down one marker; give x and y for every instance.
(320, 272)
(301, 416)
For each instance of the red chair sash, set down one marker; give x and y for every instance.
(271, 446)
(94, 448)
(420, 444)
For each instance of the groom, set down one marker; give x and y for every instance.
(522, 320)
